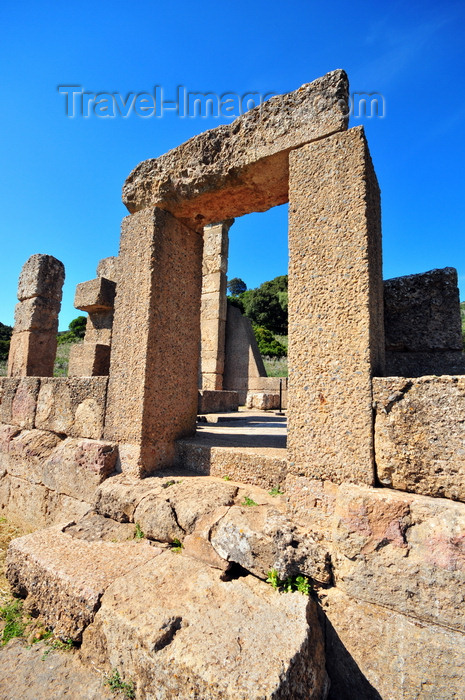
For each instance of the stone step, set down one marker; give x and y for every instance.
(214, 455)
(167, 620)
(64, 573)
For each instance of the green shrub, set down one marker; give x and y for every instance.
(267, 343)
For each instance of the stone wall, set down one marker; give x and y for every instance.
(52, 457)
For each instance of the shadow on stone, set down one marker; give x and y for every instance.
(347, 680)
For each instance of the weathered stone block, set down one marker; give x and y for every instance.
(373, 652)
(108, 268)
(403, 552)
(262, 401)
(334, 264)
(72, 406)
(422, 312)
(244, 165)
(152, 393)
(89, 360)
(77, 467)
(95, 295)
(65, 577)
(41, 275)
(420, 434)
(27, 504)
(164, 636)
(32, 354)
(37, 314)
(260, 538)
(211, 401)
(28, 451)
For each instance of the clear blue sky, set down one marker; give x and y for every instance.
(61, 178)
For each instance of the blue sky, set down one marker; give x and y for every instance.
(61, 177)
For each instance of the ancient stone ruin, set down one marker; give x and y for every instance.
(368, 499)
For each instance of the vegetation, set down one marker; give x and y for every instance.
(300, 584)
(248, 501)
(276, 491)
(176, 545)
(117, 685)
(5, 335)
(266, 306)
(12, 615)
(236, 286)
(76, 332)
(138, 534)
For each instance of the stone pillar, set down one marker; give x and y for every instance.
(34, 340)
(336, 334)
(153, 385)
(213, 306)
(92, 357)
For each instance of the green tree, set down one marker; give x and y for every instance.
(266, 306)
(78, 326)
(5, 335)
(236, 286)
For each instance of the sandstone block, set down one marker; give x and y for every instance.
(32, 354)
(260, 538)
(334, 263)
(244, 165)
(28, 450)
(37, 314)
(18, 399)
(89, 360)
(27, 504)
(217, 401)
(262, 401)
(41, 275)
(108, 268)
(95, 296)
(152, 393)
(422, 312)
(72, 406)
(420, 434)
(118, 497)
(167, 636)
(77, 467)
(373, 652)
(403, 552)
(65, 577)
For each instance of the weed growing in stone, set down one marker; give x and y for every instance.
(248, 502)
(12, 614)
(276, 491)
(117, 685)
(138, 534)
(169, 483)
(227, 478)
(301, 584)
(58, 645)
(176, 545)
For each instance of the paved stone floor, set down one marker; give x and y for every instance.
(252, 429)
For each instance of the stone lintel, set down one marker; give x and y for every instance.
(243, 166)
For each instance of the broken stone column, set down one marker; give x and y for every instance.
(34, 340)
(153, 385)
(213, 305)
(92, 357)
(336, 332)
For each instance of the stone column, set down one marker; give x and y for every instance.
(34, 340)
(92, 357)
(336, 334)
(213, 306)
(153, 385)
